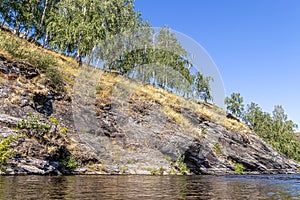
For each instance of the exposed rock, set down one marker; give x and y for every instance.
(256, 156)
(31, 166)
(17, 68)
(43, 103)
(9, 120)
(6, 132)
(125, 136)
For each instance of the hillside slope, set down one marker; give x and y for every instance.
(139, 129)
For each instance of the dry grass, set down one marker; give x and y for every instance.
(112, 84)
(13, 47)
(169, 102)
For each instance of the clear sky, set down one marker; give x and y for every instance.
(254, 43)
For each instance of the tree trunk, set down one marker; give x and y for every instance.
(78, 59)
(91, 55)
(43, 15)
(45, 41)
(42, 21)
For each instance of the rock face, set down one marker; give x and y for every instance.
(149, 131)
(231, 148)
(17, 68)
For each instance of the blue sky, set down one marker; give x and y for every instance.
(254, 43)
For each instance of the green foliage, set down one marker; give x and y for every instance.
(275, 128)
(202, 87)
(235, 104)
(27, 17)
(55, 79)
(34, 123)
(69, 163)
(47, 66)
(5, 151)
(64, 130)
(204, 131)
(181, 165)
(98, 89)
(239, 168)
(41, 61)
(123, 169)
(11, 46)
(217, 148)
(53, 120)
(78, 26)
(161, 61)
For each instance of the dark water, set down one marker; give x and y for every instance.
(150, 187)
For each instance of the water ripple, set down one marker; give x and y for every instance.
(150, 187)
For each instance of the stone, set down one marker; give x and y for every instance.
(6, 132)
(9, 120)
(24, 102)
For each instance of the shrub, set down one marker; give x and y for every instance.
(64, 130)
(217, 148)
(34, 123)
(181, 165)
(53, 120)
(239, 168)
(5, 151)
(55, 79)
(69, 163)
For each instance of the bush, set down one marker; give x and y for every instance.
(34, 123)
(64, 131)
(69, 163)
(5, 151)
(55, 79)
(181, 165)
(217, 148)
(239, 168)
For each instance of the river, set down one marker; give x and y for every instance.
(150, 187)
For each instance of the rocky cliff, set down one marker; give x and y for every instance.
(135, 128)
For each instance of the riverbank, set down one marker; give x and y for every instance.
(139, 129)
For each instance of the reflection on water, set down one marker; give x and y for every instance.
(150, 187)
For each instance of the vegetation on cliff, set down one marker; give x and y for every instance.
(77, 28)
(142, 124)
(276, 129)
(150, 131)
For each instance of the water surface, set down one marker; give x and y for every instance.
(150, 187)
